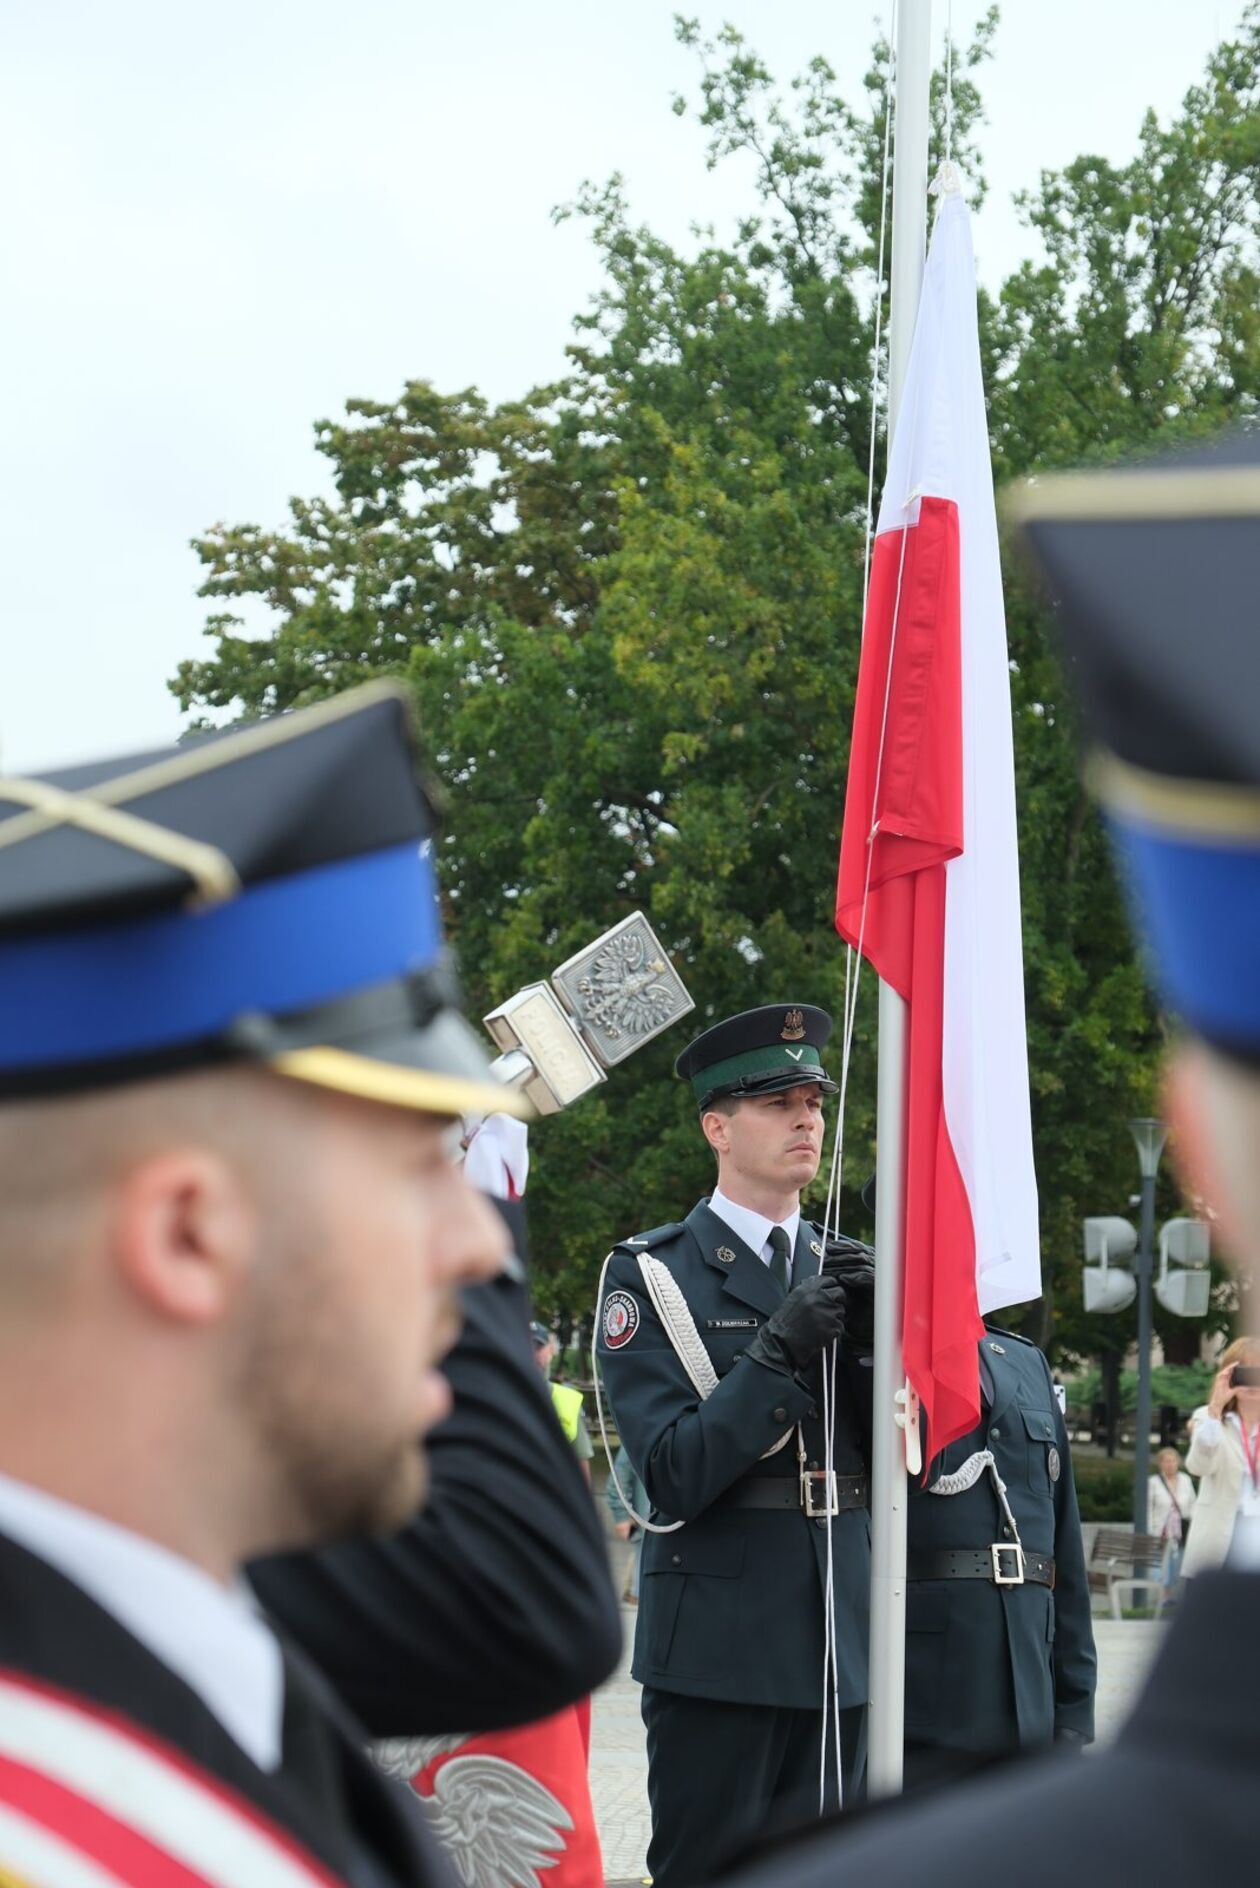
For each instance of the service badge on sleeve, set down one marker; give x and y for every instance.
(621, 1319)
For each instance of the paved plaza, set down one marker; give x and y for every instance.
(619, 1765)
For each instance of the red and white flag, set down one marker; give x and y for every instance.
(929, 868)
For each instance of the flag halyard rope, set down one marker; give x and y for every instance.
(853, 962)
(949, 82)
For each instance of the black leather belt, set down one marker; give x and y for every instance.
(1003, 1563)
(783, 1492)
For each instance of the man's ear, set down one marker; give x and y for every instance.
(716, 1129)
(183, 1230)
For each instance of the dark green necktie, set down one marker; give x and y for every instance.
(780, 1267)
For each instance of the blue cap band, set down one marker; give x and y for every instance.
(289, 944)
(1199, 903)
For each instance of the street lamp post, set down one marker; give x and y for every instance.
(1149, 1137)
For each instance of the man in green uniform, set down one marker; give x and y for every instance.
(714, 1333)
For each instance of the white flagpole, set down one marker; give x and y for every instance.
(888, 1467)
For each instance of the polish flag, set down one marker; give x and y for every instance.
(929, 868)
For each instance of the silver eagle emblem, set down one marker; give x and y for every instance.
(500, 1826)
(623, 990)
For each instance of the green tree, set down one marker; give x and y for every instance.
(1137, 328)
(629, 605)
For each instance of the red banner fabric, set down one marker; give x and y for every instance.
(903, 821)
(520, 1802)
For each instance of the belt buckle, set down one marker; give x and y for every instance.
(830, 1493)
(1007, 1579)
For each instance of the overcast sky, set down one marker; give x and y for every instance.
(216, 224)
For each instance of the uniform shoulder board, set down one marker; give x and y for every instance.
(1016, 1337)
(644, 1241)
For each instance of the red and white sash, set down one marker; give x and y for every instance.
(87, 1800)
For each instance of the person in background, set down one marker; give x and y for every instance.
(565, 1400)
(999, 1641)
(1170, 1503)
(1225, 1453)
(625, 1477)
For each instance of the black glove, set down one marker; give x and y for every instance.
(853, 1263)
(811, 1316)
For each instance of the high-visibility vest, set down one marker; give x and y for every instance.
(567, 1404)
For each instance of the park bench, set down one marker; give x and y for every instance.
(1120, 1562)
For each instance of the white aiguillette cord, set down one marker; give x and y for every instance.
(672, 1309)
(649, 1526)
(968, 1475)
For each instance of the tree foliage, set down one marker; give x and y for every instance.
(629, 604)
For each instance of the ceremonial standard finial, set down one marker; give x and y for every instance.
(559, 1038)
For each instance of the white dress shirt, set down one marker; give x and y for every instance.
(211, 1636)
(753, 1228)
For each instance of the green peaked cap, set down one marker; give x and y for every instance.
(758, 1052)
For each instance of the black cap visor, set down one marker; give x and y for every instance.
(773, 1084)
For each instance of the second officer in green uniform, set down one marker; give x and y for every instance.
(713, 1335)
(999, 1640)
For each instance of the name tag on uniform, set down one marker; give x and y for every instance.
(731, 1324)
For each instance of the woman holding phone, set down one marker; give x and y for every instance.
(1225, 1452)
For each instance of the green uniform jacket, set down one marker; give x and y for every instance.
(990, 1667)
(731, 1606)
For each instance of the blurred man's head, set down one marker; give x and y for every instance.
(1153, 570)
(252, 1268)
(231, 1064)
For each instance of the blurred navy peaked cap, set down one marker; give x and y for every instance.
(265, 894)
(1155, 571)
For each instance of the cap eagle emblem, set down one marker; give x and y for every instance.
(793, 1026)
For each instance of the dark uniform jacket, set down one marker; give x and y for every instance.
(366, 1830)
(494, 1606)
(1170, 1802)
(988, 1666)
(731, 1605)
